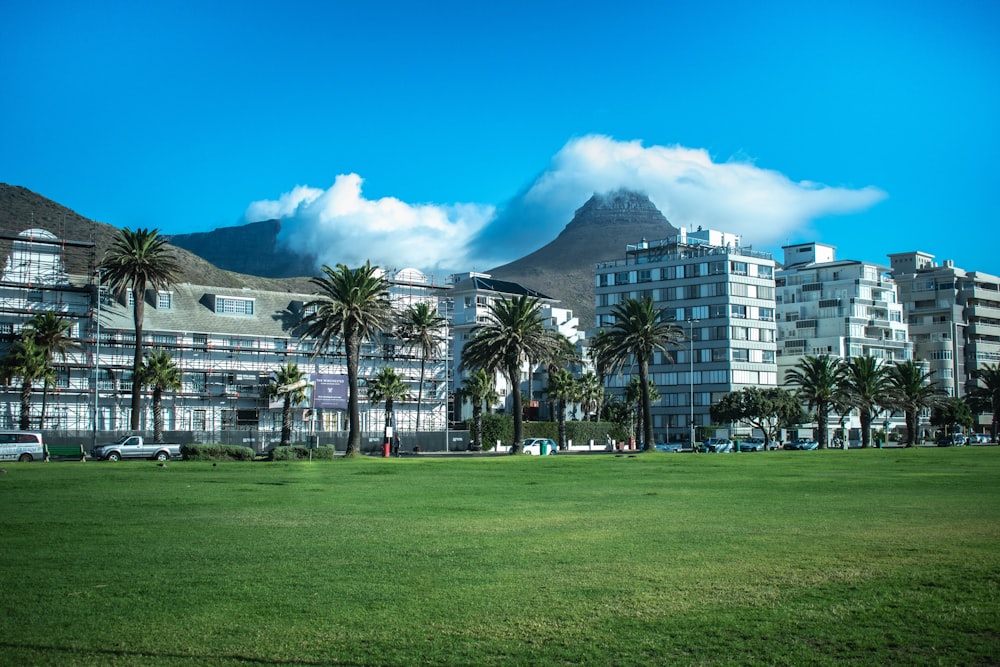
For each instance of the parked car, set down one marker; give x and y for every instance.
(716, 446)
(979, 438)
(23, 446)
(953, 440)
(752, 445)
(539, 446)
(802, 444)
(672, 447)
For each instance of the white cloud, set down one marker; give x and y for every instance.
(688, 187)
(339, 225)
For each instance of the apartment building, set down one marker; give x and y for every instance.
(844, 308)
(723, 294)
(953, 316)
(472, 295)
(227, 343)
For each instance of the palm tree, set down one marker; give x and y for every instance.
(866, 386)
(562, 389)
(985, 395)
(633, 399)
(51, 333)
(387, 387)
(591, 394)
(420, 326)
(638, 332)
(28, 361)
(515, 335)
(913, 390)
(289, 383)
(353, 307)
(479, 388)
(138, 261)
(818, 382)
(161, 373)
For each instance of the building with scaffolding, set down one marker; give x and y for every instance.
(226, 342)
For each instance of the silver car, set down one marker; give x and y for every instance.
(21, 446)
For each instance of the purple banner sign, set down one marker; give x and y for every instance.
(331, 391)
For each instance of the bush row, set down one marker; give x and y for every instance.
(501, 427)
(199, 452)
(296, 452)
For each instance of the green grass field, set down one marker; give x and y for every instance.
(782, 558)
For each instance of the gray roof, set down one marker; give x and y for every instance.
(275, 314)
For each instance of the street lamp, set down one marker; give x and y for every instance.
(691, 322)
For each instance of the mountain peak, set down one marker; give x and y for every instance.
(617, 200)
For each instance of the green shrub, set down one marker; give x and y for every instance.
(213, 452)
(501, 427)
(298, 452)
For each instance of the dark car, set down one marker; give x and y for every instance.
(954, 440)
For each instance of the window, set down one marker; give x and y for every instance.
(716, 268)
(621, 278)
(738, 268)
(738, 311)
(644, 276)
(231, 305)
(765, 271)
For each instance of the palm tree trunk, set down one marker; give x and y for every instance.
(25, 406)
(352, 346)
(286, 420)
(137, 316)
(45, 396)
(647, 416)
(157, 415)
(477, 425)
(420, 390)
(822, 417)
(514, 376)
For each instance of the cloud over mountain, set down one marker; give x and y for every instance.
(687, 185)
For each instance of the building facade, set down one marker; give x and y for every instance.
(723, 295)
(843, 308)
(953, 316)
(226, 342)
(472, 295)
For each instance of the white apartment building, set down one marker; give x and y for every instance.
(226, 341)
(723, 294)
(953, 317)
(843, 308)
(472, 295)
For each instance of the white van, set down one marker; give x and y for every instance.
(21, 446)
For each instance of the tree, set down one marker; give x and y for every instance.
(387, 387)
(866, 386)
(952, 412)
(288, 382)
(51, 333)
(591, 394)
(818, 384)
(633, 399)
(985, 395)
(420, 326)
(767, 409)
(478, 388)
(639, 330)
(515, 335)
(28, 361)
(138, 261)
(161, 373)
(562, 389)
(912, 390)
(352, 307)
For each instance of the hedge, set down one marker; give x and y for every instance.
(298, 452)
(211, 452)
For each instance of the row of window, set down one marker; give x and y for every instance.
(692, 270)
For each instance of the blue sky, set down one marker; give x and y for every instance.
(454, 135)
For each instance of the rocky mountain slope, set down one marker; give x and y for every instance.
(599, 231)
(22, 209)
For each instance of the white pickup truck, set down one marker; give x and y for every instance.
(134, 447)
